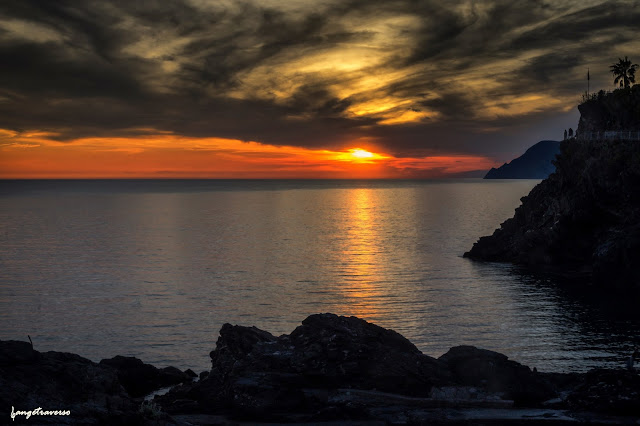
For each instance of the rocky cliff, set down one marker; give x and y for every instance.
(535, 163)
(617, 110)
(585, 217)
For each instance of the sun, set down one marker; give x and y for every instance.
(360, 153)
(359, 156)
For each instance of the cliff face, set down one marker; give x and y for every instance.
(585, 216)
(535, 163)
(618, 110)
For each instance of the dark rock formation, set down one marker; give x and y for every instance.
(344, 367)
(335, 351)
(331, 368)
(611, 391)
(255, 372)
(139, 379)
(617, 110)
(535, 163)
(494, 372)
(61, 381)
(584, 218)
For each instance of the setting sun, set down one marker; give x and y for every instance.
(361, 153)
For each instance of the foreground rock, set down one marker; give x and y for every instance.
(255, 373)
(103, 393)
(609, 391)
(139, 379)
(496, 373)
(61, 381)
(343, 368)
(331, 368)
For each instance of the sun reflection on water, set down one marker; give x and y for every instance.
(361, 253)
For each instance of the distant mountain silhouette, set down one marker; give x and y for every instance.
(535, 163)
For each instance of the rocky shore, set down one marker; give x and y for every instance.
(331, 369)
(584, 219)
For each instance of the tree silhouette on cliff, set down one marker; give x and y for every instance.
(624, 72)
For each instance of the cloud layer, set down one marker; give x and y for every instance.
(412, 78)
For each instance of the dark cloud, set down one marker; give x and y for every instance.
(583, 26)
(237, 70)
(453, 106)
(440, 31)
(317, 100)
(48, 69)
(86, 26)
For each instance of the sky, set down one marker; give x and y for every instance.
(295, 89)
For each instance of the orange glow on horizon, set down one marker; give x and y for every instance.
(35, 155)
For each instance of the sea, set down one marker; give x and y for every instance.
(154, 268)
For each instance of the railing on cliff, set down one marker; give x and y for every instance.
(617, 134)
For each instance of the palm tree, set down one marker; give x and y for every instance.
(624, 72)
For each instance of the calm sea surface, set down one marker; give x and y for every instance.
(154, 268)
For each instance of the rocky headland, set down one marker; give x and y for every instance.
(535, 163)
(584, 219)
(329, 369)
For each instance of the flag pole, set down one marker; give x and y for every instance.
(588, 78)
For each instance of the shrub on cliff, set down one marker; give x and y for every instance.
(617, 110)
